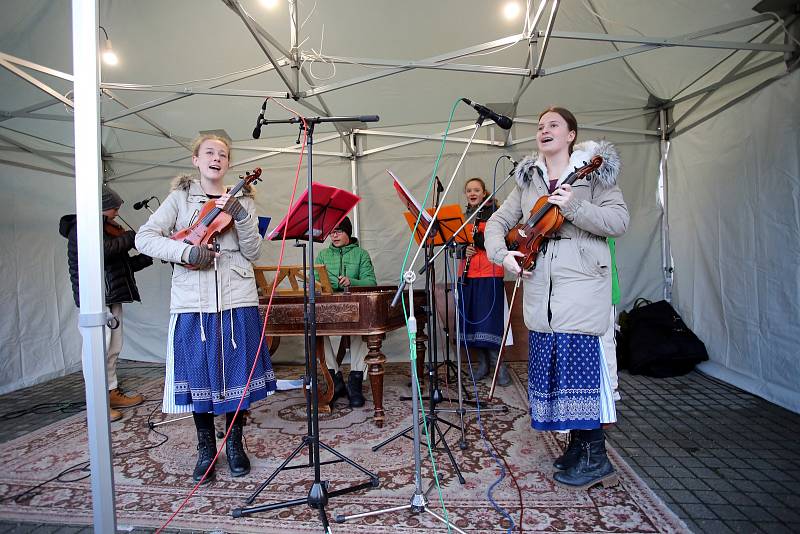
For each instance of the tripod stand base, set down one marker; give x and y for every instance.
(417, 505)
(318, 494)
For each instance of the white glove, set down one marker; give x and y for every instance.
(511, 265)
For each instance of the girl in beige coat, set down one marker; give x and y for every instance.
(567, 296)
(215, 326)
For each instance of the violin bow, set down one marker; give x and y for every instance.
(505, 336)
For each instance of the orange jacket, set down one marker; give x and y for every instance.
(480, 266)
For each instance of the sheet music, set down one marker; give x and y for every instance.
(408, 199)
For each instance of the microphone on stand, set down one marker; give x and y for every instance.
(260, 120)
(142, 203)
(501, 120)
(439, 186)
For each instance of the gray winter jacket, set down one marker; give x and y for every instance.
(194, 291)
(570, 290)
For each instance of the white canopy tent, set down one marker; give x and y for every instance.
(705, 93)
(705, 116)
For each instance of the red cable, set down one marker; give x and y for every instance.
(263, 328)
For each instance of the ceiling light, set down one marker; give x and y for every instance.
(108, 55)
(269, 4)
(511, 10)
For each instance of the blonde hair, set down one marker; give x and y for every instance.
(199, 140)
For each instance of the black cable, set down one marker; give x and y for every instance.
(45, 408)
(84, 465)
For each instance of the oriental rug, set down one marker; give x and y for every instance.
(151, 484)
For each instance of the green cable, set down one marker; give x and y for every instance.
(413, 337)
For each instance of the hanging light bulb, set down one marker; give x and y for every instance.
(109, 56)
(269, 4)
(511, 10)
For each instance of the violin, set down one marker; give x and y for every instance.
(544, 221)
(113, 228)
(212, 221)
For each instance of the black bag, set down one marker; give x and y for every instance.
(654, 341)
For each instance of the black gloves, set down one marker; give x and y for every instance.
(235, 209)
(201, 257)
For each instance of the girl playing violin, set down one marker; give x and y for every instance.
(482, 293)
(566, 303)
(215, 326)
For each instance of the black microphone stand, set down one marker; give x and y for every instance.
(318, 494)
(419, 502)
(461, 410)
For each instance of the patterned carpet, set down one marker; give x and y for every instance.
(151, 484)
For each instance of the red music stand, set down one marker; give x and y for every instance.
(329, 206)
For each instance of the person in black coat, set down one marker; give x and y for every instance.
(120, 285)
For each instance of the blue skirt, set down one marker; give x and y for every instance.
(564, 381)
(481, 301)
(211, 375)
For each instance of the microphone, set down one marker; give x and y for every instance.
(142, 203)
(514, 162)
(439, 186)
(501, 120)
(260, 120)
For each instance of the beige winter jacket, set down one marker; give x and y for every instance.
(570, 290)
(194, 291)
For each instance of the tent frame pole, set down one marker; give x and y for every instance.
(93, 311)
(668, 268)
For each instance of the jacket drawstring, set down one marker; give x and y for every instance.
(230, 307)
(200, 305)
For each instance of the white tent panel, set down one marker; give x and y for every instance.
(735, 221)
(39, 332)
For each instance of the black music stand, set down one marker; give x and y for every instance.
(321, 216)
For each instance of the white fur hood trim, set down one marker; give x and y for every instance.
(583, 153)
(184, 181)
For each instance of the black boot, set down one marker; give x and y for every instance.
(503, 376)
(339, 387)
(571, 454)
(354, 382)
(234, 450)
(481, 362)
(206, 446)
(592, 467)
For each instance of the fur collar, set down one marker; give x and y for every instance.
(583, 152)
(184, 182)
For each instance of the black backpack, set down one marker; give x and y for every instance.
(654, 341)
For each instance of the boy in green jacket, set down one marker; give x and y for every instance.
(347, 265)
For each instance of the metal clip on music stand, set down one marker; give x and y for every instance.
(326, 207)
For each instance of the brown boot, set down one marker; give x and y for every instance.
(114, 415)
(120, 400)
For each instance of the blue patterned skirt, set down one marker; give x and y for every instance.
(568, 386)
(481, 301)
(211, 375)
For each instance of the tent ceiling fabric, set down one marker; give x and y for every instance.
(189, 43)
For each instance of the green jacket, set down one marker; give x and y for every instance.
(615, 295)
(351, 261)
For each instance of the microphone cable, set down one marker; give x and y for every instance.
(84, 466)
